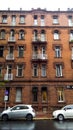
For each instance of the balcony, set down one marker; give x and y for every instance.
(10, 57)
(11, 39)
(39, 40)
(8, 77)
(39, 57)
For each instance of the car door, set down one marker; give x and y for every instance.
(68, 112)
(15, 112)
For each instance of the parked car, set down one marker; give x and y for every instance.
(19, 112)
(65, 113)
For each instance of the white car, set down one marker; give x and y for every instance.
(19, 111)
(65, 113)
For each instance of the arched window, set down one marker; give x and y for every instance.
(21, 34)
(42, 35)
(2, 34)
(56, 35)
(12, 35)
(35, 35)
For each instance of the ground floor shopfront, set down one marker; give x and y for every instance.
(44, 96)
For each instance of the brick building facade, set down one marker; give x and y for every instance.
(36, 58)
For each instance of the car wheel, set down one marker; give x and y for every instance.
(60, 117)
(5, 117)
(29, 117)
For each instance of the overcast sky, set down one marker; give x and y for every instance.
(28, 4)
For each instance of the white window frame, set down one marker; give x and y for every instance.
(56, 35)
(22, 19)
(35, 20)
(55, 20)
(35, 70)
(18, 94)
(42, 20)
(43, 70)
(59, 70)
(13, 21)
(18, 69)
(20, 51)
(70, 21)
(4, 19)
(57, 51)
(61, 95)
(71, 35)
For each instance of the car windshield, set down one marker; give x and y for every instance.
(66, 108)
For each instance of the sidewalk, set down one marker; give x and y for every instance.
(41, 115)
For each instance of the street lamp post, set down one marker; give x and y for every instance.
(6, 98)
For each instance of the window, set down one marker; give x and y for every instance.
(59, 70)
(9, 76)
(44, 94)
(1, 51)
(13, 22)
(43, 70)
(55, 19)
(2, 34)
(35, 94)
(18, 94)
(19, 70)
(42, 35)
(0, 70)
(35, 70)
(9, 69)
(35, 35)
(4, 19)
(7, 94)
(21, 51)
(71, 35)
(42, 20)
(22, 19)
(60, 95)
(70, 21)
(43, 52)
(56, 35)
(57, 51)
(35, 52)
(12, 35)
(35, 20)
(72, 53)
(21, 35)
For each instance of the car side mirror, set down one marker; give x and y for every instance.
(65, 109)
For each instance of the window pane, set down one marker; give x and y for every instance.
(4, 19)
(35, 20)
(43, 70)
(21, 19)
(61, 95)
(35, 70)
(44, 94)
(18, 94)
(57, 51)
(55, 19)
(42, 20)
(0, 70)
(1, 51)
(21, 51)
(35, 94)
(58, 70)
(20, 70)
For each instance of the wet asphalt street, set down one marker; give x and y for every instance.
(36, 125)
